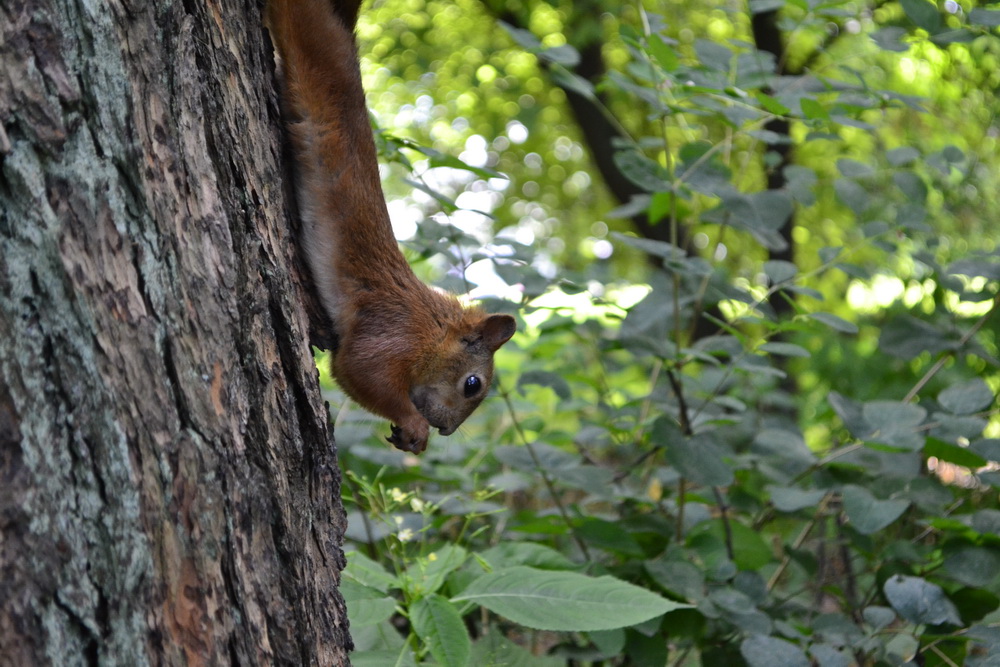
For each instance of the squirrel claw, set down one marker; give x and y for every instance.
(413, 445)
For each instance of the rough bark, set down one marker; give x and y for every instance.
(169, 492)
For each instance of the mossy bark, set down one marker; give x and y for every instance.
(169, 491)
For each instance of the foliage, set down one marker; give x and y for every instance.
(718, 456)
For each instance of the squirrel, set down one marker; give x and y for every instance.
(405, 352)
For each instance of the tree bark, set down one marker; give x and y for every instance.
(169, 490)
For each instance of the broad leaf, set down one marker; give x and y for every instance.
(972, 565)
(760, 651)
(698, 458)
(923, 13)
(439, 625)
(788, 499)
(987, 17)
(437, 565)
(834, 322)
(508, 554)
(919, 601)
(364, 570)
(869, 514)
(966, 398)
(365, 606)
(565, 601)
(496, 649)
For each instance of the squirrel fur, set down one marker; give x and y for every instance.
(406, 352)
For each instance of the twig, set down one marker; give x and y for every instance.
(545, 475)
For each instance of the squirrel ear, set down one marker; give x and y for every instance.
(497, 330)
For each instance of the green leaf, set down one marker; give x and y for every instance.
(919, 601)
(987, 268)
(988, 448)
(608, 535)
(564, 55)
(974, 603)
(365, 606)
(402, 657)
(867, 513)
(852, 195)
(565, 601)
(903, 155)
(790, 499)
(678, 577)
(813, 109)
(891, 39)
(945, 451)
(966, 398)
(664, 53)
(923, 13)
(956, 36)
(761, 651)
(829, 655)
(834, 322)
(785, 350)
(650, 246)
(784, 444)
(893, 415)
(780, 271)
(365, 571)
(771, 104)
(853, 168)
(698, 458)
(713, 55)
(895, 423)
(661, 205)
(878, 617)
(971, 565)
(731, 600)
(497, 650)
(549, 457)
(508, 554)
(641, 170)
(440, 627)
(911, 185)
(953, 154)
(572, 82)
(591, 478)
(435, 566)
(763, 6)
(750, 551)
(524, 38)
(987, 17)
(609, 642)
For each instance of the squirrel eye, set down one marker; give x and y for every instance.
(472, 386)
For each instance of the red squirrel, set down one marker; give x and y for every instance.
(406, 352)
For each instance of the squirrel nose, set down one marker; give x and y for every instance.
(446, 430)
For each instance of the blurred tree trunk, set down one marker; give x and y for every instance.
(169, 491)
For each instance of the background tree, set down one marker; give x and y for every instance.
(170, 490)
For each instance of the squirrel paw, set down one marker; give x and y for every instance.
(414, 441)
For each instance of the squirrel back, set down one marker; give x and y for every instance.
(406, 352)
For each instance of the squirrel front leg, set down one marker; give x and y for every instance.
(382, 392)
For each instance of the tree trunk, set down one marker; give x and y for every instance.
(169, 491)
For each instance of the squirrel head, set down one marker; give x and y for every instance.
(457, 379)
